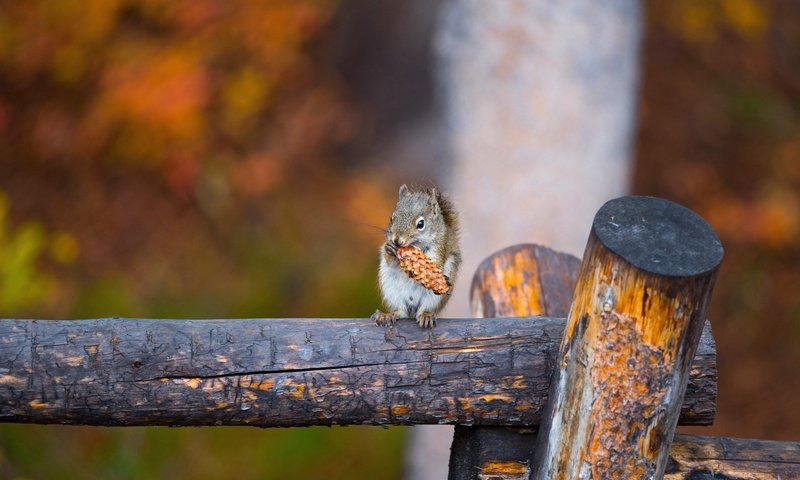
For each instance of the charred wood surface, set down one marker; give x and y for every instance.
(691, 457)
(520, 280)
(287, 372)
(694, 457)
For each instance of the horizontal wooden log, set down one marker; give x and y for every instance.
(691, 457)
(289, 372)
(694, 457)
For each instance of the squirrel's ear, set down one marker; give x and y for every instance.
(404, 191)
(435, 200)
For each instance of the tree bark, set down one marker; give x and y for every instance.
(283, 372)
(634, 325)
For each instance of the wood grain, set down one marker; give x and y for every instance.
(694, 457)
(281, 372)
(636, 319)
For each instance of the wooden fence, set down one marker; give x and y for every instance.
(597, 395)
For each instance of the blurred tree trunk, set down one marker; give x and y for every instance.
(539, 107)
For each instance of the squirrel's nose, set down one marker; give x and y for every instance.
(400, 241)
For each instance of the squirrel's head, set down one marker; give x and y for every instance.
(421, 218)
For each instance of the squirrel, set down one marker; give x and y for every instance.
(425, 219)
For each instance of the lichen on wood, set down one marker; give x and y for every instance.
(634, 325)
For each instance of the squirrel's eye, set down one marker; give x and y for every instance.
(420, 223)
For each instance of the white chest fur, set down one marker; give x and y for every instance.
(402, 294)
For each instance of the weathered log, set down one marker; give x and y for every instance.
(520, 280)
(691, 457)
(694, 457)
(633, 328)
(524, 280)
(280, 372)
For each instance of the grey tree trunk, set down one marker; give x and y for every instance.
(539, 106)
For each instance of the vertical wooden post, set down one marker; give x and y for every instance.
(636, 317)
(522, 280)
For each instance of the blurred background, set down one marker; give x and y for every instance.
(196, 159)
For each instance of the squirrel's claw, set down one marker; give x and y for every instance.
(426, 320)
(383, 319)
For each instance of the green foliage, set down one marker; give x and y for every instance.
(22, 284)
(200, 453)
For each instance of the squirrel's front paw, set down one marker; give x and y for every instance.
(383, 319)
(391, 249)
(426, 320)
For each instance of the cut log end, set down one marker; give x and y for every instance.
(658, 236)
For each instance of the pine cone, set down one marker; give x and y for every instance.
(420, 268)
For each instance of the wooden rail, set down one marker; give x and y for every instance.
(290, 372)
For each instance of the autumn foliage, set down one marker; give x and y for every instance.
(179, 147)
(187, 158)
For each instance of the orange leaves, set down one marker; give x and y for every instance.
(163, 91)
(701, 22)
(148, 81)
(771, 219)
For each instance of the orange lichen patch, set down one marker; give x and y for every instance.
(74, 361)
(222, 359)
(11, 380)
(90, 349)
(192, 383)
(497, 467)
(628, 385)
(422, 269)
(189, 382)
(36, 404)
(266, 385)
(517, 382)
(299, 391)
(496, 396)
(458, 350)
(400, 410)
(609, 283)
(382, 411)
(625, 331)
(291, 389)
(247, 395)
(213, 385)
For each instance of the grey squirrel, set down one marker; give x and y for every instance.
(427, 220)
